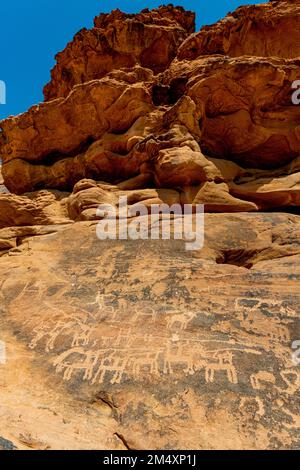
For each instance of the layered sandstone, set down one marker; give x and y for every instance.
(207, 124)
(144, 345)
(149, 39)
(140, 344)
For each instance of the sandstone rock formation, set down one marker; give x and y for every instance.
(183, 127)
(120, 40)
(265, 30)
(139, 344)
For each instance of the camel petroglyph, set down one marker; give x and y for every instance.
(112, 362)
(221, 361)
(142, 360)
(86, 364)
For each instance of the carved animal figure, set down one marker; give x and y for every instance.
(181, 320)
(86, 364)
(145, 359)
(221, 361)
(112, 362)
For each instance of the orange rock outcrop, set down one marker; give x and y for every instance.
(207, 122)
(141, 344)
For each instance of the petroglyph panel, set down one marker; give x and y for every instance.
(148, 321)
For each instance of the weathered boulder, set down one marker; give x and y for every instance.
(37, 208)
(143, 343)
(118, 40)
(267, 30)
(245, 107)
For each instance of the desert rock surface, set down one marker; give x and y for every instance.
(142, 344)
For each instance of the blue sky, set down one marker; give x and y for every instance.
(33, 31)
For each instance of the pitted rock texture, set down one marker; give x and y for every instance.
(265, 30)
(118, 40)
(142, 339)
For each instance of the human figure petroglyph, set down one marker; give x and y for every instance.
(101, 301)
(105, 310)
(260, 377)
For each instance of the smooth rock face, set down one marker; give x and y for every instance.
(143, 344)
